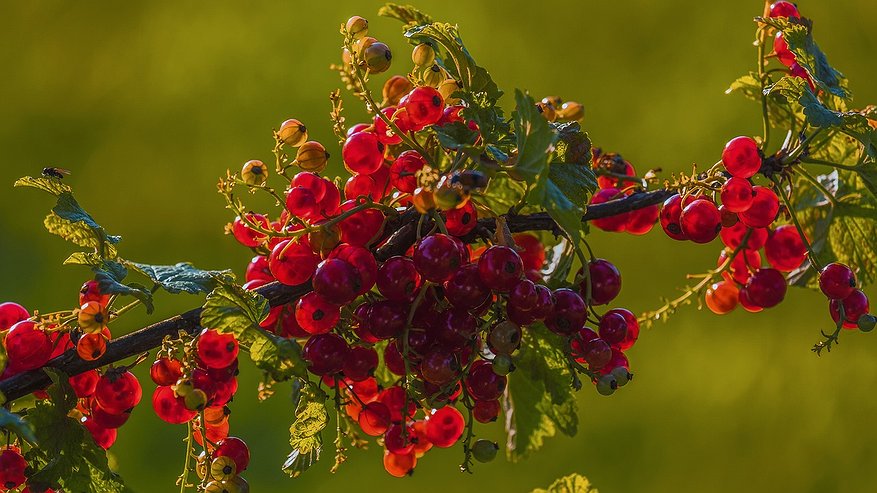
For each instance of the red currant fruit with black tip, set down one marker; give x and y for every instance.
(246, 235)
(103, 437)
(399, 466)
(107, 420)
(315, 314)
(224, 391)
(424, 106)
(784, 55)
(398, 279)
(90, 291)
(445, 426)
(764, 209)
(12, 467)
(500, 268)
(669, 217)
(292, 262)
(383, 131)
(855, 305)
(465, 289)
(399, 440)
(393, 360)
(784, 9)
(545, 304)
(235, 449)
(613, 328)
(387, 318)
(12, 313)
(605, 282)
(360, 363)
(746, 303)
(483, 383)
(84, 383)
(325, 354)
(531, 250)
(741, 157)
(737, 194)
(440, 367)
(258, 269)
(766, 288)
(225, 373)
(744, 264)
(27, 346)
(374, 419)
(486, 411)
(837, 281)
(118, 392)
(363, 227)
(437, 257)
(597, 353)
(701, 221)
(394, 398)
(362, 261)
(217, 350)
(614, 223)
(300, 202)
(577, 343)
(722, 297)
(524, 295)
(337, 281)
(569, 313)
(632, 328)
(363, 153)
(312, 182)
(785, 249)
(462, 220)
(455, 328)
(641, 221)
(403, 171)
(733, 236)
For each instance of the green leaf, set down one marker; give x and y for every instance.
(851, 238)
(455, 135)
(535, 138)
(50, 185)
(83, 258)
(796, 90)
(798, 34)
(14, 423)
(67, 457)
(406, 14)
(110, 274)
(540, 399)
(305, 436)
(778, 110)
(182, 277)
(574, 483)
(233, 310)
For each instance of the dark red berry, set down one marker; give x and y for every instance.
(236, 450)
(613, 328)
(325, 354)
(292, 262)
(12, 313)
(363, 153)
(614, 223)
(784, 9)
(837, 281)
(315, 314)
(398, 279)
(701, 221)
(337, 281)
(641, 221)
(764, 209)
(486, 411)
(500, 268)
(741, 157)
(854, 306)
(460, 221)
(669, 217)
(483, 383)
(118, 392)
(605, 282)
(403, 171)
(27, 346)
(360, 363)
(437, 257)
(386, 318)
(785, 249)
(465, 288)
(766, 288)
(569, 313)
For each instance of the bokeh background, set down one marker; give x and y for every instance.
(148, 103)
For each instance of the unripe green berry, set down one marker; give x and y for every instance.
(195, 400)
(357, 27)
(502, 364)
(622, 375)
(867, 322)
(607, 385)
(484, 450)
(377, 57)
(433, 76)
(423, 55)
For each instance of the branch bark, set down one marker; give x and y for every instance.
(401, 233)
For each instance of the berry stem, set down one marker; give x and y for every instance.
(810, 253)
(848, 167)
(762, 77)
(184, 477)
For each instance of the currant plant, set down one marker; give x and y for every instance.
(448, 280)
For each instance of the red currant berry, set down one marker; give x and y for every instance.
(118, 392)
(331, 200)
(12, 313)
(597, 353)
(90, 291)
(744, 264)
(394, 398)
(362, 261)
(722, 297)
(613, 328)
(784, 55)
(784, 9)
(313, 182)
(445, 426)
(524, 296)
(437, 257)
(483, 383)
(363, 153)
(336, 281)
(424, 106)
(258, 269)
(12, 467)
(363, 227)
(300, 202)
(569, 313)
(764, 209)
(746, 303)
(383, 131)
(360, 363)
(486, 411)
(386, 319)
(325, 354)
(500, 268)
(741, 157)
(837, 281)
(399, 440)
(455, 328)
(733, 236)
(701, 221)
(785, 249)
(605, 282)
(403, 172)
(398, 279)
(236, 450)
(315, 314)
(103, 437)
(27, 346)
(670, 212)
(292, 262)
(246, 235)
(855, 305)
(85, 383)
(440, 367)
(766, 288)
(462, 220)
(217, 350)
(103, 419)
(615, 164)
(641, 221)
(399, 466)
(374, 419)
(531, 250)
(614, 223)
(465, 288)
(737, 194)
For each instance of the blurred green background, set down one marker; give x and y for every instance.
(148, 103)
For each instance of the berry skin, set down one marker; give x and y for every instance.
(701, 221)
(386, 319)
(362, 261)
(336, 281)
(301, 202)
(741, 268)
(484, 450)
(363, 153)
(247, 236)
(445, 426)
(377, 57)
(27, 346)
(292, 132)
(374, 419)
(733, 236)
(292, 263)
(613, 328)
(424, 106)
(597, 353)
(607, 384)
(500, 268)
(855, 306)
(524, 296)
(483, 383)
(403, 171)
(258, 270)
(235, 449)
(531, 250)
(315, 314)
(669, 217)
(360, 363)
(92, 346)
(766, 288)
(92, 317)
(614, 223)
(741, 157)
(486, 411)
(837, 281)
(396, 443)
(103, 437)
(217, 350)
(440, 367)
(504, 338)
(399, 466)
(785, 249)
(737, 194)
(722, 297)
(362, 227)
(12, 313)
(12, 466)
(764, 209)
(90, 291)
(465, 288)
(605, 282)
(462, 220)
(325, 354)
(784, 55)
(85, 383)
(784, 9)
(641, 221)
(437, 257)
(455, 328)
(117, 393)
(746, 303)
(398, 279)
(569, 313)
(632, 328)
(107, 420)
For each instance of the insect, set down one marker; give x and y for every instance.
(57, 173)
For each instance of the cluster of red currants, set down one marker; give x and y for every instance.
(781, 48)
(195, 387)
(616, 178)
